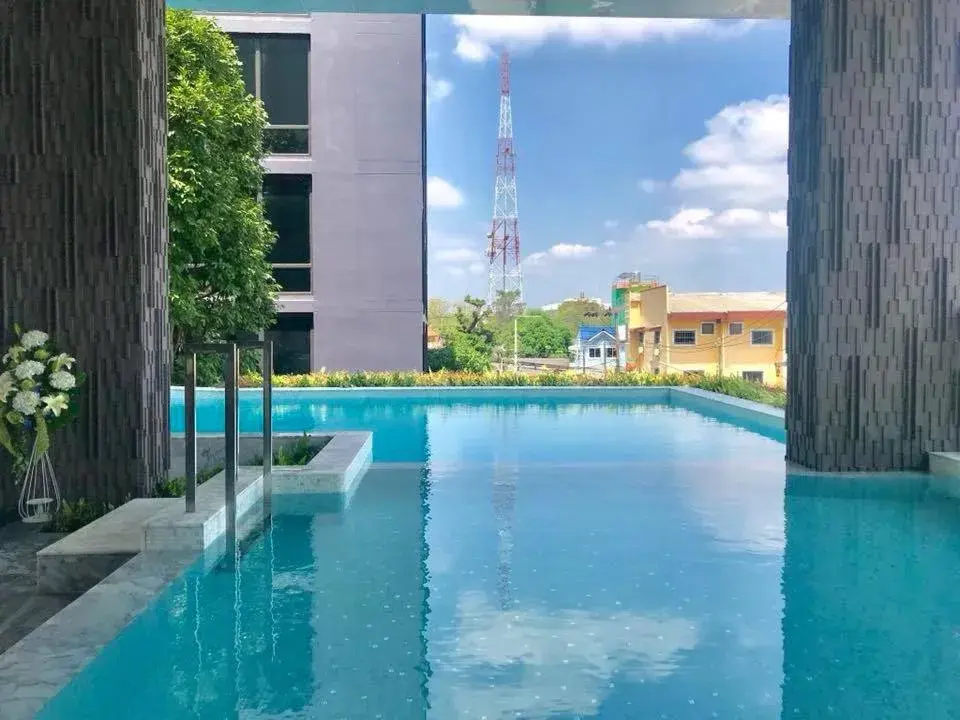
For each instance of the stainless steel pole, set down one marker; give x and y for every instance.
(267, 428)
(231, 432)
(190, 429)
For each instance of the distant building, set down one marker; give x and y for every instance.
(732, 334)
(434, 341)
(595, 348)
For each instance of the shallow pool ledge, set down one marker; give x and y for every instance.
(945, 473)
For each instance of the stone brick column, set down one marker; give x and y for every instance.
(874, 252)
(83, 223)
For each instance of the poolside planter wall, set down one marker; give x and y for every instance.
(211, 450)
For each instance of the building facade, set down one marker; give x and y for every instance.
(730, 334)
(596, 349)
(345, 101)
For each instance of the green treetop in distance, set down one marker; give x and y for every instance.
(220, 279)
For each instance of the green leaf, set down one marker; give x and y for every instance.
(42, 440)
(6, 442)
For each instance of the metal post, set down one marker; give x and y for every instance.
(267, 370)
(516, 351)
(190, 428)
(231, 433)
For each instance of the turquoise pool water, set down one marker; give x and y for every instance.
(509, 558)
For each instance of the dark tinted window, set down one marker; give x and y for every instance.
(291, 343)
(284, 86)
(286, 202)
(292, 279)
(247, 53)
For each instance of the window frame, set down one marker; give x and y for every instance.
(256, 39)
(594, 349)
(758, 373)
(611, 352)
(735, 324)
(296, 265)
(713, 327)
(684, 344)
(773, 337)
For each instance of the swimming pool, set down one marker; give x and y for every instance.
(518, 556)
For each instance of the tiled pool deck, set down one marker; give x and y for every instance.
(39, 665)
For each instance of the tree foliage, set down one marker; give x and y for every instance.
(541, 336)
(220, 280)
(574, 313)
(475, 334)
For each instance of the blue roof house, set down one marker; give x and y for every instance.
(595, 348)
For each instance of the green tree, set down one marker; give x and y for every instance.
(468, 340)
(540, 336)
(440, 315)
(574, 313)
(506, 305)
(220, 281)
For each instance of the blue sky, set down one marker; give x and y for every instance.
(656, 146)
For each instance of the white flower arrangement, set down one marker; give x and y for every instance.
(37, 388)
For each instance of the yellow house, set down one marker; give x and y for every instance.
(732, 334)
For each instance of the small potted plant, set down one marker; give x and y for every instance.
(38, 386)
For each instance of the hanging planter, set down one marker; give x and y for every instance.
(37, 395)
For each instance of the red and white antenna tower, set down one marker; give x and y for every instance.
(504, 247)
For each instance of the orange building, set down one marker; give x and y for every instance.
(739, 334)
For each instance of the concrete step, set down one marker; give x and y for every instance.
(83, 558)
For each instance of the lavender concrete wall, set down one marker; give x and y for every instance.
(874, 249)
(367, 162)
(83, 237)
(368, 121)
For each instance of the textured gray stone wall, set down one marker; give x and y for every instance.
(872, 264)
(83, 224)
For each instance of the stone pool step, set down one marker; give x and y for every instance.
(175, 529)
(79, 561)
(82, 559)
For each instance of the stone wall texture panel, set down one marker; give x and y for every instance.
(874, 252)
(83, 225)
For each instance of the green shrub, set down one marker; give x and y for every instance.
(74, 515)
(300, 453)
(732, 386)
(177, 486)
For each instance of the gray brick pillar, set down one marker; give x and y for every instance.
(874, 252)
(83, 224)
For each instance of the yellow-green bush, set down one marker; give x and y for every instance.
(734, 387)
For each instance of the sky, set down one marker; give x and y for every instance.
(646, 145)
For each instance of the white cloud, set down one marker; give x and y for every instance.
(565, 661)
(609, 243)
(476, 268)
(611, 224)
(479, 34)
(564, 250)
(650, 186)
(437, 88)
(742, 160)
(561, 251)
(441, 194)
(737, 186)
(698, 223)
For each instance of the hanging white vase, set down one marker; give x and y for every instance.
(40, 494)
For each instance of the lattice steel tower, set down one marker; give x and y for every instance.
(503, 249)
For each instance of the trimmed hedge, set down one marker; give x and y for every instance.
(732, 386)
